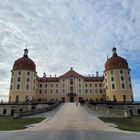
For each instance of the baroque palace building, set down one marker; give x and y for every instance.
(114, 85)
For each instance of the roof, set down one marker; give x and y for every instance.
(47, 79)
(116, 62)
(71, 73)
(94, 79)
(24, 63)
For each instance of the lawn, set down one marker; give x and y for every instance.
(129, 124)
(8, 123)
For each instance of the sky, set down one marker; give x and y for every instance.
(69, 33)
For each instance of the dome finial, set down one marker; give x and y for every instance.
(26, 52)
(114, 51)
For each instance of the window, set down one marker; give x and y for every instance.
(129, 79)
(19, 73)
(101, 91)
(17, 98)
(111, 72)
(56, 91)
(114, 98)
(28, 73)
(79, 80)
(113, 86)
(121, 71)
(18, 86)
(86, 85)
(123, 86)
(63, 85)
(90, 91)
(45, 85)
(100, 85)
(18, 79)
(112, 79)
(40, 85)
(63, 91)
(33, 88)
(40, 91)
(45, 91)
(51, 91)
(95, 85)
(63, 80)
(28, 80)
(90, 85)
(79, 91)
(56, 85)
(79, 85)
(86, 91)
(128, 72)
(27, 87)
(4, 111)
(51, 85)
(124, 98)
(122, 78)
(11, 87)
(130, 86)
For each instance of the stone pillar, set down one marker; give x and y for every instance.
(127, 114)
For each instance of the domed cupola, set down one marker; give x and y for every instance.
(24, 63)
(116, 62)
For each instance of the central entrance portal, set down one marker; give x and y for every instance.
(71, 99)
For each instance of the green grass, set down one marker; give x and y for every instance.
(129, 124)
(8, 123)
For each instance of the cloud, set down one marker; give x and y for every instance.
(63, 33)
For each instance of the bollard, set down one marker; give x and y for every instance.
(127, 114)
(16, 115)
(108, 111)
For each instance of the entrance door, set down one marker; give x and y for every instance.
(63, 99)
(71, 99)
(12, 112)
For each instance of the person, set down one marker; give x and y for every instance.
(76, 102)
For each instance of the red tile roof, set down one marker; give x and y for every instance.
(24, 63)
(47, 79)
(71, 73)
(94, 79)
(116, 62)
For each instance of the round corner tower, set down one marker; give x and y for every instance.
(118, 79)
(23, 79)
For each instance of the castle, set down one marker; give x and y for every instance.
(114, 85)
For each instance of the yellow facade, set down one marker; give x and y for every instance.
(19, 81)
(122, 90)
(26, 85)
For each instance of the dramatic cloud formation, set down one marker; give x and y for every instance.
(65, 33)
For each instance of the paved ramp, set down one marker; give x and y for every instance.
(70, 116)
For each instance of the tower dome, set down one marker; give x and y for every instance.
(24, 63)
(116, 62)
